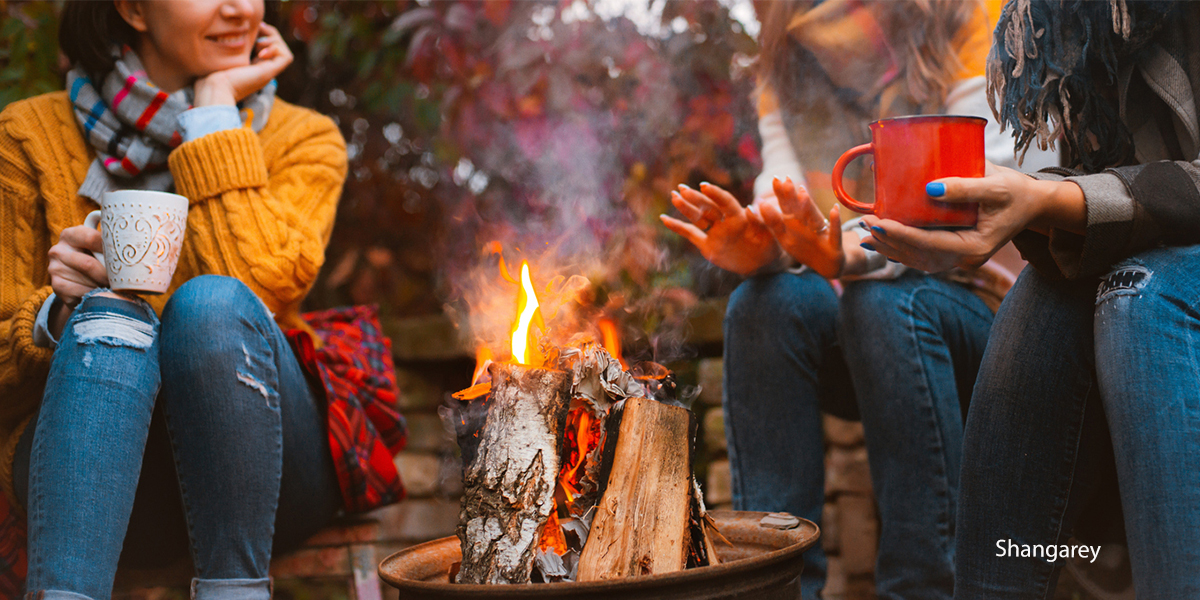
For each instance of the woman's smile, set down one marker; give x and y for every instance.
(230, 41)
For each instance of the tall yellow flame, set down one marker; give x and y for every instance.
(527, 304)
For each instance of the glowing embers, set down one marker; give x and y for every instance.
(581, 442)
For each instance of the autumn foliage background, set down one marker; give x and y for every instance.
(535, 123)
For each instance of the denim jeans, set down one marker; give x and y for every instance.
(913, 347)
(199, 432)
(1077, 375)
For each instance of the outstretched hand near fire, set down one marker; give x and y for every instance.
(729, 235)
(802, 231)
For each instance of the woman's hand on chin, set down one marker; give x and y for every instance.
(729, 235)
(1009, 202)
(802, 231)
(231, 85)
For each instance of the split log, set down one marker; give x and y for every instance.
(509, 486)
(641, 524)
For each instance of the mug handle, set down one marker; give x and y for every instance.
(93, 221)
(840, 167)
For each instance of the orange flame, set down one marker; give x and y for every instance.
(612, 341)
(582, 436)
(527, 306)
(552, 536)
(483, 358)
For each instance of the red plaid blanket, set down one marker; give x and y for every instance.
(354, 367)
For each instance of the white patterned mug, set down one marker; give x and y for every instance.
(142, 233)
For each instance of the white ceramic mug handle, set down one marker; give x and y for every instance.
(93, 221)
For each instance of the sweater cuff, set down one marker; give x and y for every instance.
(42, 337)
(1110, 221)
(217, 163)
(877, 265)
(30, 357)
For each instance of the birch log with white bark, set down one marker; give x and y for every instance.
(509, 486)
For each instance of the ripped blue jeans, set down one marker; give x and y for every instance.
(199, 433)
(1082, 379)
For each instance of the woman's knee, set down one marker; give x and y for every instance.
(773, 301)
(1148, 293)
(1145, 322)
(208, 315)
(211, 302)
(109, 319)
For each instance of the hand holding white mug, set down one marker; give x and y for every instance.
(76, 265)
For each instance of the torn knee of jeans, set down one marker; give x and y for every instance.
(1127, 278)
(112, 329)
(264, 390)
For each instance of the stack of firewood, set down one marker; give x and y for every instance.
(640, 511)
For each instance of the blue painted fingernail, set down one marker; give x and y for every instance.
(867, 246)
(864, 225)
(878, 229)
(935, 189)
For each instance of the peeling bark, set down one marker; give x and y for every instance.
(509, 485)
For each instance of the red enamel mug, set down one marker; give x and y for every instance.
(910, 152)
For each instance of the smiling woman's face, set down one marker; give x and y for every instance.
(183, 40)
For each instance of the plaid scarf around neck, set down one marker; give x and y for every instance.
(133, 125)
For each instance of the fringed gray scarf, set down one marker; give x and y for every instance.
(1049, 61)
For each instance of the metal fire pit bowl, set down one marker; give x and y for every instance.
(763, 564)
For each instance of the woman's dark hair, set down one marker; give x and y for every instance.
(1049, 63)
(87, 29)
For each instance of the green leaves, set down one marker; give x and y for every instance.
(28, 50)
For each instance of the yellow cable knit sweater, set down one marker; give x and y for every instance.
(262, 209)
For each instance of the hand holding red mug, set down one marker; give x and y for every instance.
(1009, 202)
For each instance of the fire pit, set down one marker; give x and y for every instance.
(578, 475)
(762, 564)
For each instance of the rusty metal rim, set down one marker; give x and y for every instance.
(765, 561)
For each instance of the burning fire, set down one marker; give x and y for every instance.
(527, 305)
(583, 435)
(612, 342)
(553, 539)
(584, 427)
(588, 353)
(483, 358)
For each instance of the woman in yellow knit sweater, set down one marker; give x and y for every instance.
(195, 392)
